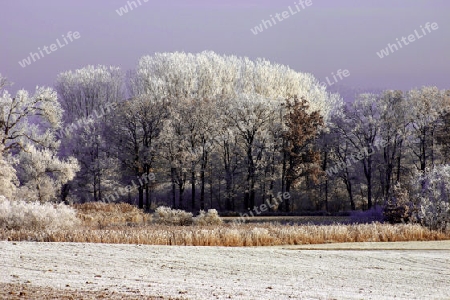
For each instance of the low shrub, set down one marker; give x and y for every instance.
(166, 216)
(368, 216)
(110, 214)
(398, 208)
(20, 215)
(432, 198)
(434, 214)
(208, 218)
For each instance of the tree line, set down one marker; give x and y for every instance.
(198, 131)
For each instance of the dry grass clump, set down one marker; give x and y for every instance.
(234, 236)
(110, 214)
(211, 217)
(167, 216)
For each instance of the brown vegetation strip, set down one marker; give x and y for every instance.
(102, 214)
(232, 235)
(25, 291)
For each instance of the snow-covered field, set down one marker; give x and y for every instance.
(420, 271)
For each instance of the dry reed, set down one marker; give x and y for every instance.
(232, 236)
(99, 214)
(125, 224)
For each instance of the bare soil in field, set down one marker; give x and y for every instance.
(16, 291)
(429, 245)
(411, 270)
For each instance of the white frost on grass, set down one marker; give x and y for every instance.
(36, 216)
(229, 273)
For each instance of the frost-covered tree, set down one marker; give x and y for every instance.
(340, 165)
(8, 178)
(390, 134)
(199, 118)
(99, 167)
(27, 125)
(427, 106)
(3, 82)
(177, 153)
(88, 96)
(133, 136)
(442, 133)
(207, 75)
(360, 127)
(229, 153)
(85, 92)
(42, 174)
(228, 82)
(431, 194)
(443, 138)
(395, 119)
(29, 119)
(250, 118)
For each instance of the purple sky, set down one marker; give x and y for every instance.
(320, 39)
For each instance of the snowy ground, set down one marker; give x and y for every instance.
(422, 272)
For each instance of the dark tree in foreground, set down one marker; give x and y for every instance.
(303, 128)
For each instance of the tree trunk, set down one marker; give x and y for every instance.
(211, 187)
(252, 192)
(141, 197)
(249, 196)
(204, 165)
(287, 202)
(193, 187)
(228, 204)
(399, 163)
(423, 151)
(202, 190)
(348, 186)
(180, 195)
(324, 167)
(147, 196)
(368, 175)
(272, 180)
(172, 173)
(283, 173)
(233, 202)
(95, 189)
